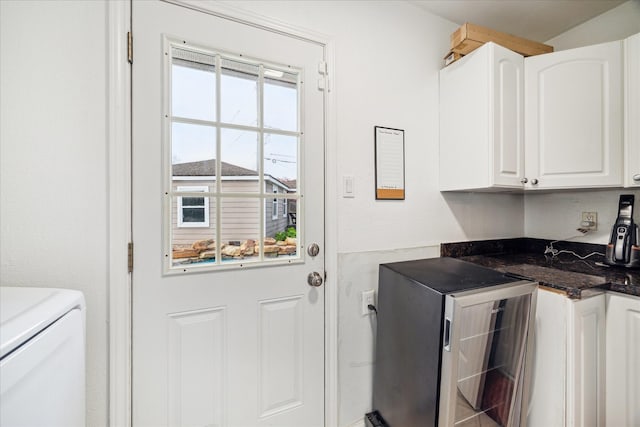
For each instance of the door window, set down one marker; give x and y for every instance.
(224, 206)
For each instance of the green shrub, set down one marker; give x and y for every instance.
(282, 235)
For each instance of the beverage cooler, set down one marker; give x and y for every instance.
(451, 345)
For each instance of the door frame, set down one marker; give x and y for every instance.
(120, 214)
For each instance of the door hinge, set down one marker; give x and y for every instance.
(322, 67)
(324, 84)
(130, 47)
(130, 257)
(323, 80)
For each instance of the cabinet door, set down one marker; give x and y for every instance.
(573, 116)
(623, 357)
(481, 114)
(632, 111)
(586, 362)
(507, 129)
(547, 405)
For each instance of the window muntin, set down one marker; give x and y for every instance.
(244, 143)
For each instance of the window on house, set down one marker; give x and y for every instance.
(274, 204)
(193, 211)
(284, 207)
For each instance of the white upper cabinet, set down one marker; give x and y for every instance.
(573, 118)
(632, 111)
(481, 114)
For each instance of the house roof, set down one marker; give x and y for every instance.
(208, 168)
(291, 183)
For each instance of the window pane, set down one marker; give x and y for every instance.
(193, 150)
(240, 228)
(490, 360)
(193, 90)
(239, 161)
(281, 159)
(281, 231)
(280, 100)
(239, 93)
(193, 215)
(193, 201)
(193, 245)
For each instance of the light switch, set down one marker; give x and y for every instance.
(348, 186)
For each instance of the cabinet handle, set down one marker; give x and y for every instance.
(636, 177)
(525, 180)
(534, 181)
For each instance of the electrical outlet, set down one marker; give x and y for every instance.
(368, 297)
(589, 221)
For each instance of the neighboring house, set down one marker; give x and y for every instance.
(194, 218)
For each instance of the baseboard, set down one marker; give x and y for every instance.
(358, 423)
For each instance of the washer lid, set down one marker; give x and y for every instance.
(24, 312)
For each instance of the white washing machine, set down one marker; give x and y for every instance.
(42, 357)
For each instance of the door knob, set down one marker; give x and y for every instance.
(313, 249)
(524, 180)
(314, 279)
(534, 181)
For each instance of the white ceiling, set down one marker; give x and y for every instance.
(538, 20)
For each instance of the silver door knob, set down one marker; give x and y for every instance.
(636, 177)
(534, 181)
(313, 249)
(314, 279)
(524, 180)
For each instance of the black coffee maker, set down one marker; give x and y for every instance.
(623, 247)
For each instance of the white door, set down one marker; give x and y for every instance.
(226, 328)
(573, 116)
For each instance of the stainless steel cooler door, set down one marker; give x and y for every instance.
(484, 359)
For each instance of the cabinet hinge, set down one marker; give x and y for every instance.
(130, 257)
(130, 47)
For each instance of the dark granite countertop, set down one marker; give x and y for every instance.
(564, 271)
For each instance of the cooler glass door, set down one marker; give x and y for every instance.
(484, 369)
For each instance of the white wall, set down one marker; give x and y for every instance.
(616, 24)
(387, 58)
(557, 215)
(53, 170)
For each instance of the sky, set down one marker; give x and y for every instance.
(193, 97)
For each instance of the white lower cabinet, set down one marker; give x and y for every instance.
(623, 360)
(568, 376)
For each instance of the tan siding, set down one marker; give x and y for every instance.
(240, 186)
(240, 220)
(240, 217)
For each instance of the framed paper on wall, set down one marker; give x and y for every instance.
(389, 158)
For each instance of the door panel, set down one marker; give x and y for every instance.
(236, 339)
(573, 108)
